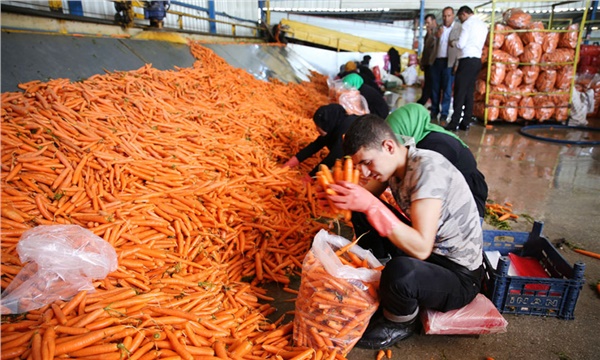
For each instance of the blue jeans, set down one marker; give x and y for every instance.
(441, 86)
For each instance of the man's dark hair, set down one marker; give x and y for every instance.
(464, 10)
(448, 8)
(429, 16)
(367, 131)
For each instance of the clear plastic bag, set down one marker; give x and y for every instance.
(335, 301)
(61, 261)
(353, 102)
(336, 87)
(480, 316)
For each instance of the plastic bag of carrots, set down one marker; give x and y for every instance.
(337, 296)
(62, 260)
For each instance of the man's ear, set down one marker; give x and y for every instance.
(389, 146)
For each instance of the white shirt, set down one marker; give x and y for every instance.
(443, 48)
(472, 37)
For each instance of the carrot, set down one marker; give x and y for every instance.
(504, 217)
(380, 354)
(60, 316)
(348, 169)
(587, 253)
(177, 346)
(86, 339)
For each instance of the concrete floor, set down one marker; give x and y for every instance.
(553, 183)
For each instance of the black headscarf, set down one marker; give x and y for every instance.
(329, 117)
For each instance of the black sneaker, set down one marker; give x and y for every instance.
(382, 333)
(443, 118)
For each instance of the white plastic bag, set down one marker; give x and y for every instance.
(582, 104)
(61, 261)
(335, 301)
(480, 316)
(410, 75)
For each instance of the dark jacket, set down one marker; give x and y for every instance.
(462, 158)
(375, 100)
(332, 119)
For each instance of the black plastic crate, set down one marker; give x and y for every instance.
(554, 296)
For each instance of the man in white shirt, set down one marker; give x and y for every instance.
(470, 43)
(442, 78)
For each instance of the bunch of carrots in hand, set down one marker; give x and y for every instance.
(332, 313)
(343, 170)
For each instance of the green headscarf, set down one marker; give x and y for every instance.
(413, 120)
(353, 80)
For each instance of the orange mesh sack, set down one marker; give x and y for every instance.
(532, 53)
(493, 110)
(527, 108)
(558, 56)
(509, 112)
(504, 57)
(485, 52)
(569, 39)
(480, 86)
(550, 42)
(533, 35)
(561, 103)
(353, 102)
(513, 44)
(564, 77)
(516, 18)
(513, 78)
(530, 74)
(546, 80)
(336, 299)
(478, 109)
(498, 71)
(498, 92)
(544, 108)
(499, 35)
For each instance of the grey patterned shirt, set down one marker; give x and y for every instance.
(429, 175)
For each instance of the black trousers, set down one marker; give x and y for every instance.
(464, 88)
(407, 283)
(426, 93)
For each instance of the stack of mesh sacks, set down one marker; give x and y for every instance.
(529, 79)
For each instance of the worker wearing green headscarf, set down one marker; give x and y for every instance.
(413, 120)
(375, 100)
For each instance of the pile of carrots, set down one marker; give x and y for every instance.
(332, 313)
(180, 171)
(503, 212)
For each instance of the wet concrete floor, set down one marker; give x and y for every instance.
(554, 183)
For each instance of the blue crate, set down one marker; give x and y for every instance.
(554, 296)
